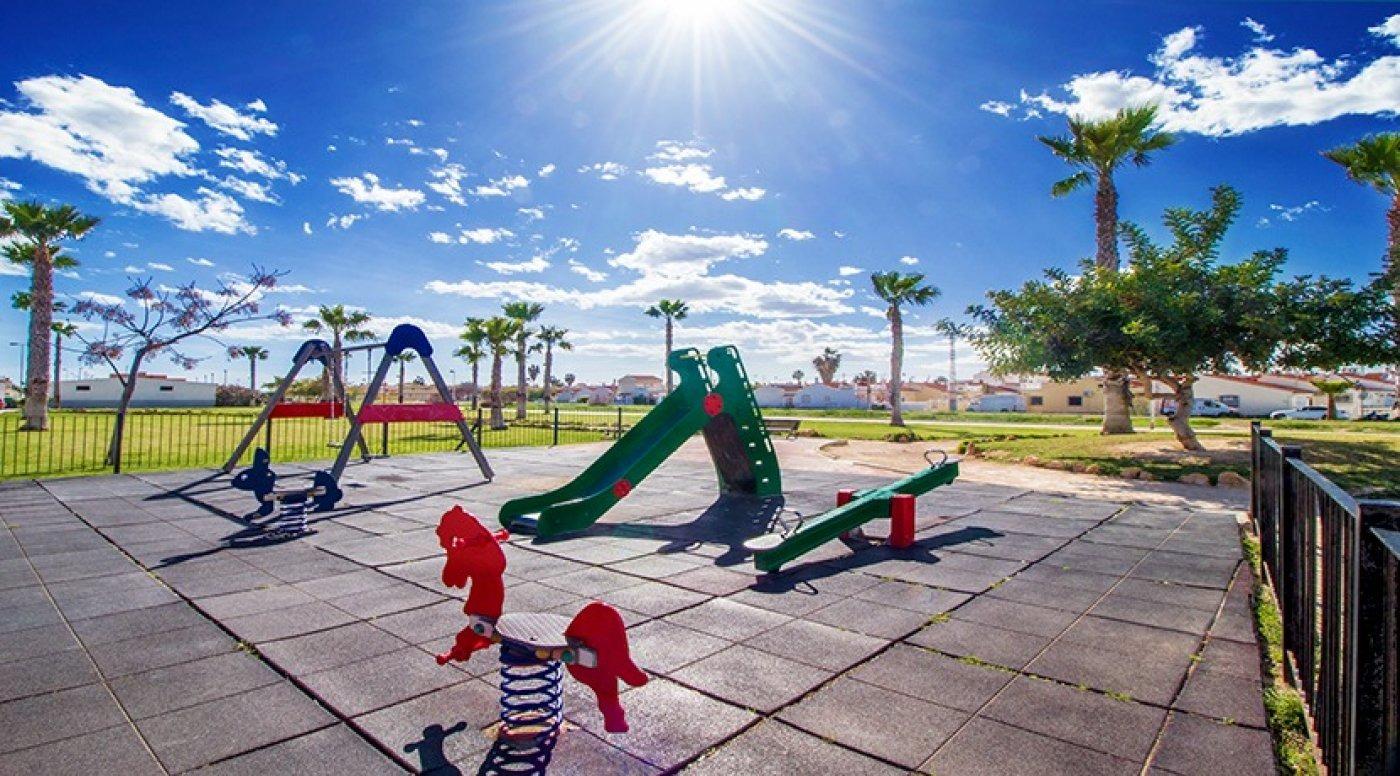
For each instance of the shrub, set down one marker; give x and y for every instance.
(236, 396)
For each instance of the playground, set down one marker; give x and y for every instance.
(150, 629)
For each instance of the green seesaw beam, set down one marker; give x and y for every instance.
(867, 505)
(713, 397)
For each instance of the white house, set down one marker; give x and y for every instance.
(776, 395)
(822, 396)
(639, 389)
(1369, 394)
(1254, 396)
(578, 393)
(151, 391)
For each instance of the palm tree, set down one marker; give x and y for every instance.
(345, 325)
(474, 335)
(797, 375)
(501, 335)
(672, 310)
(525, 312)
(254, 354)
(552, 337)
(1375, 161)
(952, 330)
(827, 364)
(1098, 149)
(899, 291)
(1332, 388)
(867, 379)
(404, 359)
(61, 329)
(39, 228)
(569, 378)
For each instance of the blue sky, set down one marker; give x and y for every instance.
(756, 157)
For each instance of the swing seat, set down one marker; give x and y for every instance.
(316, 409)
(407, 413)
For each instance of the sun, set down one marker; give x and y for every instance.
(700, 14)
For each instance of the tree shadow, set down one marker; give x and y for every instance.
(432, 757)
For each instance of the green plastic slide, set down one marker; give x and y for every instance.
(713, 397)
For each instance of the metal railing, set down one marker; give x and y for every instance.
(77, 441)
(1332, 561)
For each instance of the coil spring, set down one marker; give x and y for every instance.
(532, 702)
(291, 518)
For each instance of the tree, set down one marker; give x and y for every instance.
(1097, 149)
(39, 228)
(952, 330)
(163, 322)
(61, 329)
(827, 364)
(403, 360)
(867, 379)
(533, 372)
(501, 335)
(1331, 388)
(797, 376)
(899, 291)
(474, 335)
(1329, 324)
(1176, 314)
(569, 379)
(1375, 161)
(525, 313)
(672, 310)
(254, 354)
(553, 337)
(345, 325)
(23, 300)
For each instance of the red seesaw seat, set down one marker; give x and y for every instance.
(314, 409)
(406, 413)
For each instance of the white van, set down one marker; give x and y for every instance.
(1202, 408)
(998, 402)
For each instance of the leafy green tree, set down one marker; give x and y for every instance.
(953, 331)
(473, 352)
(553, 338)
(899, 291)
(526, 313)
(502, 338)
(403, 360)
(1097, 149)
(828, 364)
(254, 354)
(345, 325)
(39, 229)
(672, 310)
(1331, 388)
(569, 379)
(1375, 161)
(797, 376)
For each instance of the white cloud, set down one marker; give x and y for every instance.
(100, 298)
(447, 181)
(339, 222)
(999, 107)
(579, 268)
(908, 261)
(414, 122)
(259, 192)
(536, 263)
(672, 151)
(212, 211)
(798, 235)
(846, 271)
(501, 187)
(546, 171)
(226, 118)
(484, 235)
(132, 269)
(667, 265)
(367, 190)
(696, 177)
(441, 238)
(1258, 88)
(1291, 213)
(158, 266)
(200, 262)
(255, 163)
(606, 171)
(1260, 32)
(749, 194)
(839, 235)
(531, 213)
(306, 227)
(7, 186)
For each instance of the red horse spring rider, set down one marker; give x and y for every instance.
(593, 645)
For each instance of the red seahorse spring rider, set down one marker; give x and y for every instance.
(533, 645)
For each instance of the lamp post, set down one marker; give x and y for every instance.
(23, 379)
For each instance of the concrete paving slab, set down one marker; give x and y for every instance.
(905, 731)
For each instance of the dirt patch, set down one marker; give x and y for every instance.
(1220, 451)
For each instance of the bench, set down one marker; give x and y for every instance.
(786, 426)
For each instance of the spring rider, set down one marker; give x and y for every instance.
(534, 646)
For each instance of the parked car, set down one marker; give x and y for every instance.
(1001, 402)
(1306, 413)
(1202, 408)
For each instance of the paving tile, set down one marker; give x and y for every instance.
(751, 678)
(591, 582)
(1224, 696)
(774, 749)
(579, 751)
(144, 653)
(1232, 657)
(288, 622)
(906, 730)
(655, 599)
(933, 677)
(916, 598)
(376, 682)
(114, 750)
(141, 622)
(1179, 618)
(303, 655)
(670, 724)
(991, 748)
(45, 673)
(40, 719)
(334, 751)
(1132, 639)
(33, 642)
(222, 728)
(385, 600)
(872, 619)
(26, 616)
(728, 619)
(663, 647)
(1150, 679)
(438, 729)
(965, 638)
(1081, 717)
(711, 580)
(1038, 592)
(339, 585)
(426, 623)
(1011, 615)
(253, 602)
(817, 645)
(1193, 746)
(188, 684)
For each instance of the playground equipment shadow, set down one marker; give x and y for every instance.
(145, 628)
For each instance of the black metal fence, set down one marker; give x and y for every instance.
(78, 441)
(1332, 561)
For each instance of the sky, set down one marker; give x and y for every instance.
(757, 158)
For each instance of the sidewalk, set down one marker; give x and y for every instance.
(144, 629)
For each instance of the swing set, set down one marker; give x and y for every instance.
(322, 492)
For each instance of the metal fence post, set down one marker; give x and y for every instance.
(479, 419)
(619, 421)
(1375, 632)
(556, 427)
(1289, 585)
